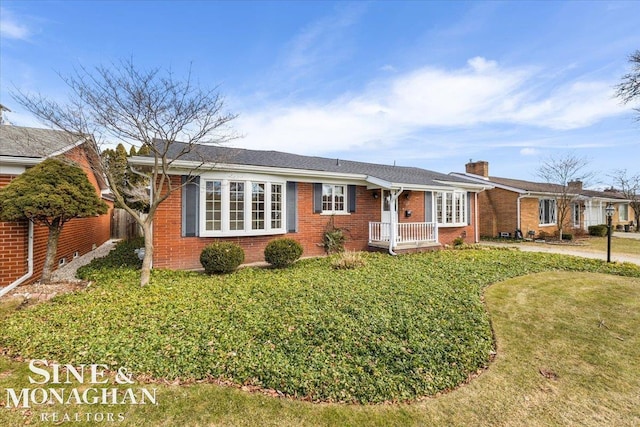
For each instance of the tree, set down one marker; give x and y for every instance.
(151, 109)
(115, 163)
(629, 89)
(564, 171)
(51, 193)
(629, 187)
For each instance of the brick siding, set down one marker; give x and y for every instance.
(80, 234)
(171, 250)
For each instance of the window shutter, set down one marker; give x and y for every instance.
(292, 207)
(468, 208)
(317, 198)
(351, 198)
(190, 205)
(428, 206)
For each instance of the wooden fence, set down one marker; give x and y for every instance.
(123, 226)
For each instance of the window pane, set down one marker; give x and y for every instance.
(236, 205)
(327, 197)
(213, 204)
(276, 206)
(257, 206)
(448, 208)
(623, 212)
(339, 192)
(439, 208)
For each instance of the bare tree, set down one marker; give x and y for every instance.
(629, 89)
(565, 171)
(145, 108)
(629, 187)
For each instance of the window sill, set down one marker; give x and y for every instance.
(338, 213)
(250, 233)
(458, 225)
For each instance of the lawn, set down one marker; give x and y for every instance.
(397, 329)
(619, 245)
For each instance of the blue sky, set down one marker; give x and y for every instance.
(427, 84)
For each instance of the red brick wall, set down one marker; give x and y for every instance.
(77, 235)
(176, 252)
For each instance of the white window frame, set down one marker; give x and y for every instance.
(450, 208)
(345, 201)
(268, 205)
(553, 212)
(576, 210)
(623, 207)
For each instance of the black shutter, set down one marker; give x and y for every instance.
(317, 198)
(428, 206)
(190, 205)
(292, 207)
(351, 198)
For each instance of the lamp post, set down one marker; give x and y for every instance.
(609, 212)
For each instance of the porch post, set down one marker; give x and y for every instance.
(393, 221)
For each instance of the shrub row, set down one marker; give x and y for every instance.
(226, 257)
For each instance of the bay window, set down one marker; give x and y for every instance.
(451, 208)
(237, 207)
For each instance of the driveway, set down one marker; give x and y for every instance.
(570, 250)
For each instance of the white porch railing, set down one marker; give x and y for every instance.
(406, 232)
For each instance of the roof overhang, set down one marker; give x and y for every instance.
(184, 167)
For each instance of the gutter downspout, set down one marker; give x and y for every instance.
(21, 280)
(475, 220)
(393, 198)
(518, 225)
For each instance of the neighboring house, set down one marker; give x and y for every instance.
(23, 246)
(251, 197)
(531, 207)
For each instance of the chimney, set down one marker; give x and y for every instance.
(2, 110)
(575, 186)
(480, 168)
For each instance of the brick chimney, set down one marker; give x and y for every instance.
(480, 168)
(575, 186)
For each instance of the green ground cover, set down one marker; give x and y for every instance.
(393, 330)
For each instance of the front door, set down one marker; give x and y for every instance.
(385, 215)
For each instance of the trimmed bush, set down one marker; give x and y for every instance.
(221, 257)
(598, 230)
(282, 252)
(458, 241)
(567, 236)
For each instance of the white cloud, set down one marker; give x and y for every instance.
(404, 106)
(528, 151)
(11, 28)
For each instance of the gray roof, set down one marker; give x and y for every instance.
(278, 159)
(537, 187)
(544, 187)
(17, 141)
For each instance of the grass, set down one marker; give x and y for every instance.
(549, 322)
(579, 326)
(618, 245)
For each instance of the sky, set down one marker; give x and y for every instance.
(426, 84)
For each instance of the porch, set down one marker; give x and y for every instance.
(406, 235)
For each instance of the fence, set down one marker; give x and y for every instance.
(123, 226)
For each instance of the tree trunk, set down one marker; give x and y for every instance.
(145, 274)
(52, 248)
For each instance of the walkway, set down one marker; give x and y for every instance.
(570, 250)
